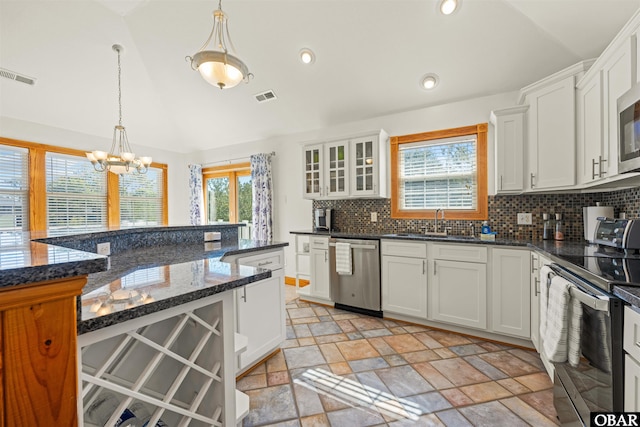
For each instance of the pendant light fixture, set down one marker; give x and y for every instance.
(124, 160)
(217, 66)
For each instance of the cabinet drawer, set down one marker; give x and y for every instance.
(319, 242)
(631, 337)
(406, 249)
(469, 253)
(269, 260)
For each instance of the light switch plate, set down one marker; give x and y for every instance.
(524, 218)
(374, 216)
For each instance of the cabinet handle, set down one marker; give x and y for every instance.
(600, 171)
(260, 264)
(244, 293)
(531, 180)
(501, 182)
(434, 268)
(536, 286)
(325, 256)
(593, 168)
(424, 267)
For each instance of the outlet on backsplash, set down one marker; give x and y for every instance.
(524, 218)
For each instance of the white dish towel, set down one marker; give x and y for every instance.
(555, 340)
(343, 258)
(545, 273)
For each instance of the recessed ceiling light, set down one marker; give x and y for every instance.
(429, 81)
(447, 7)
(307, 56)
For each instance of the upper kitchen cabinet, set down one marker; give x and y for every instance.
(551, 124)
(509, 132)
(593, 153)
(350, 167)
(313, 176)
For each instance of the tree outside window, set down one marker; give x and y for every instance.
(228, 194)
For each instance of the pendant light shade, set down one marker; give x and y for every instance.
(217, 66)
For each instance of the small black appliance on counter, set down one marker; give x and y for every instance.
(322, 221)
(622, 234)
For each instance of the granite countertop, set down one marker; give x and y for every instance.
(24, 261)
(147, 280)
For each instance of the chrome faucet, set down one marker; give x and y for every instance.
(435, 225)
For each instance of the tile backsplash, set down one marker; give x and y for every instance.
(354, 215)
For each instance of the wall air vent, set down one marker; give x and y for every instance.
(266, 96)
(7, 74)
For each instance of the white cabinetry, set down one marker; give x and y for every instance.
(260, 308)
(336, 170)
(551, 135)
(313, 176)
(631, 343)
(509, 131)
(535, 300)
(303, 264)
(458, 292)
(510, 292)
(349, 167)
(369, 165)
(319, 250)
(593, 152)
(404, 278)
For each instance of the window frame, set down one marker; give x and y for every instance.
(38, 184)
(232, 172)
(481, 211)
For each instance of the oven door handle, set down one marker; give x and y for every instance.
(599, 303)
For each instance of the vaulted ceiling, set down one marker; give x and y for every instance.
(370, 57)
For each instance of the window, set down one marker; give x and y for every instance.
(228, 195)
(14, 189)
(440, 170)
(141, 198)
(76, 194)
(47, 187)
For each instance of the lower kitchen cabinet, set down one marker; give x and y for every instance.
(261, 318)
(319, 253)
(535, 300)
(459, 293)
(510, 292)
(631, 384)
(260, 308)
(404, 286)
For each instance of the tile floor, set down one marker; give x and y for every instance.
(344, 369)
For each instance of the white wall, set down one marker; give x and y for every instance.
(43, 134)
(291, 211)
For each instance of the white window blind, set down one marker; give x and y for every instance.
(76, 194)
(141, 198)
(439, 173)
(14, 189)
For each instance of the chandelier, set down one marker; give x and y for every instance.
(124, 160)
(217, 66)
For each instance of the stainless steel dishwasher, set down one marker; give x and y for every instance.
(359, 291)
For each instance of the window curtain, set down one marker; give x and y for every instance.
(196, 199)
(262, 197)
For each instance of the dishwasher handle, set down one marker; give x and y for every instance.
(357, 246)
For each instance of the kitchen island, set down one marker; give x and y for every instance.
(156, 274)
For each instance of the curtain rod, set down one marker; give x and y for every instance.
(273, 153)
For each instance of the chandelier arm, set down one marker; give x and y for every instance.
(210, 37)
(228, 38)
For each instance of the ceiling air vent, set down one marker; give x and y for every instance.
(266, 96)
(17, 77)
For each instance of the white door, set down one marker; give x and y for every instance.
(631, 384)
(261, 317)
(312, 173)
(459, 293)
(535, 301)
(364, 166)
(336, 169)
(320, 273)
(509, 136)
(592, 159)
(404, 286)
(510, 292)
(552, 141)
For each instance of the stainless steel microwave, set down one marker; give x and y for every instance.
(629, 130)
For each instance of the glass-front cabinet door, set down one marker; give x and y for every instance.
(313, 171)
(337, 172)
(364, 166)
